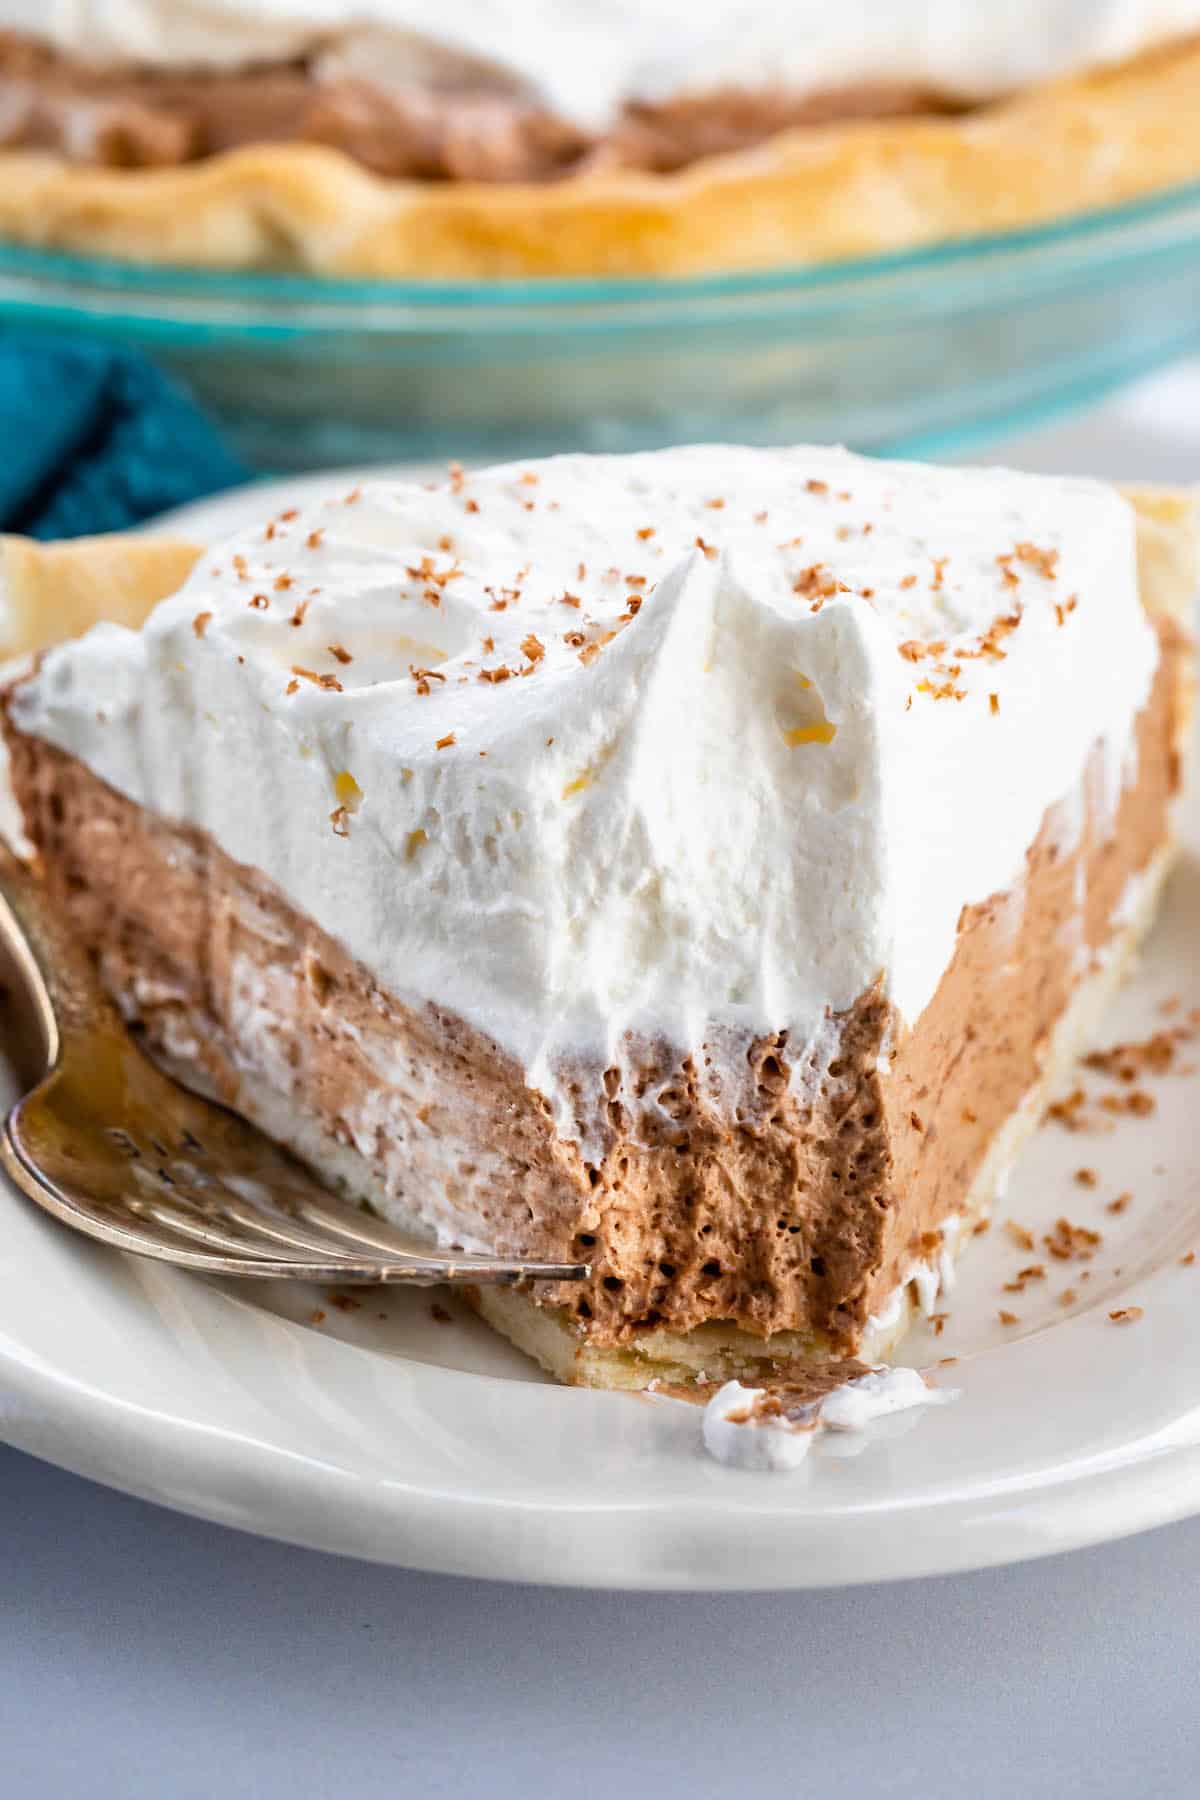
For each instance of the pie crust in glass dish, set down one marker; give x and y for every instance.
(347, 180)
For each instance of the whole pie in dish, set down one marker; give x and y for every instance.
(386, 139)
(704, 864)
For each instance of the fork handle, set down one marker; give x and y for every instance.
(62, 985)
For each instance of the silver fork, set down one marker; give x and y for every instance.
(112, 1146)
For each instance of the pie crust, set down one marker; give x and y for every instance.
(817, 194)
(51, 592)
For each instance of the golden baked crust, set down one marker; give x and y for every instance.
(56, 591)
(817, 194)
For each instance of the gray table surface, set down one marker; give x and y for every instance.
(146, 1655)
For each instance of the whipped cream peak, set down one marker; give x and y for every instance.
(585, 59)
(694, 746)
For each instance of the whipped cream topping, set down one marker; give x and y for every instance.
(735, 1437)
(694, 746)
(585, 58)
(740, 1434)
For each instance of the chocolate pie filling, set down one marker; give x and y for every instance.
(129, 117)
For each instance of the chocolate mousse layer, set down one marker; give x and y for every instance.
(126, 116)
(802, 1213)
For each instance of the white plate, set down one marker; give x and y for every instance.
(383, 1433)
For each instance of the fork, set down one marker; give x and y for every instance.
(110, 1145)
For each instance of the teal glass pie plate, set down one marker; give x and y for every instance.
(910, 353)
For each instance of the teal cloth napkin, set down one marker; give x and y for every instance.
(98, 439)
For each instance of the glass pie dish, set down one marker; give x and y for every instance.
(912, 353)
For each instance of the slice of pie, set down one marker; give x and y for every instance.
(466, 140)
(705, 862)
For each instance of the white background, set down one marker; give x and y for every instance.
(147, 1655)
